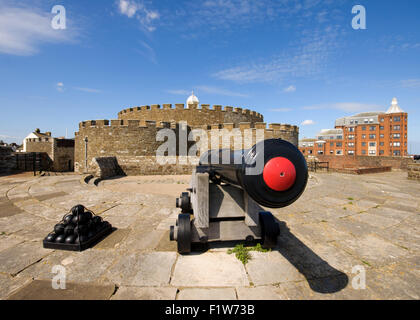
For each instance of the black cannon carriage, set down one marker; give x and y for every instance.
(229, 190)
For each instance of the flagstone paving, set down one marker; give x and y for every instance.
(341, 225)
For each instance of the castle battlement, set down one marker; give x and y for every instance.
(132, 137)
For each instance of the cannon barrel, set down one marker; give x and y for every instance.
(273, 172)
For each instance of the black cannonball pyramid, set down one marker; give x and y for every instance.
(88, 215)
(81, 229)
(60, 239)
(82, 238)
(59, 228)
(70, 239)
(69, 229)
(82, 218)
(51, 237)
(79, 209)
(97, 220)
(68, 219)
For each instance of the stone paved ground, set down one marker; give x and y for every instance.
(341, 222)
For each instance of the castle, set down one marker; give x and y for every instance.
(131, 138)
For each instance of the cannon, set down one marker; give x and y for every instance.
(230, 190)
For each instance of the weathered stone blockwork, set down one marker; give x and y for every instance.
(133, 141)
(60, 151)
(342, 162)
(414, 171)
(194, 116)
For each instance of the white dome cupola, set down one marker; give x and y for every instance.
(192, 99)
(394, 108)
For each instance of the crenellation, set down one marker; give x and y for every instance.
(133, 135)
(260, 125)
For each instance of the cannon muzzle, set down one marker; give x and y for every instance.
(273, 172)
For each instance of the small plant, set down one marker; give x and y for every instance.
(350, 199)
(242, 253)
(366, 263)
(344, 208)
(350, 203)
(3, 233)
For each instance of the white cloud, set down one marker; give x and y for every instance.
(148, 52)
(60, 87)
(138, 10)
(220, 92)
(23, 30)
(281, 109)
(346, 106)
(307, 123)
(410, 83)
(89, 90)
(307, 58)
(179, 92)
(209, 90)
(290, 89)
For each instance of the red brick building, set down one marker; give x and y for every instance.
(368, 133)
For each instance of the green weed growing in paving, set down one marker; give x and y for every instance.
(350, 199)
(242, 253)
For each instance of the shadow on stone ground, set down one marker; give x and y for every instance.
(320, 275)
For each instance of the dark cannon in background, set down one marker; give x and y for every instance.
(227, 192)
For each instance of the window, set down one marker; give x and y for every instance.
(381, 152)
(364, 128)
(372, 152)
(309, 151)
(372, 128)
(356, 121)
(372, 136)
(363, 144)
(351, 121)
(381, 144)
(351, 136)
(397, 144)
(366, 121)
(351, 152)
(372, 144)
(363, 151)
(339, 137)
(320, 152)
(339, 144)
(382, 136)
(382, 119)
(339, 152)
(397, 153)
(331, 144)
(363, 136)
(381, 128)
(351, 129)
(351, 144)
(303, 151)
(397, 119)
(370, 120)
(397, 128)
(397, 135)
(320, 145)
(332, 151)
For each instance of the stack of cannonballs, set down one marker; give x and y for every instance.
(78, 227)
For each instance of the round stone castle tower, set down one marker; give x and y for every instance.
(132, 138)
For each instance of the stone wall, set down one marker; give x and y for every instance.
(63, 155)
(7, 160)
(134, 144)
(346, 161)
(60, 151)
(194, 116)
(106, 167)
(414, 171)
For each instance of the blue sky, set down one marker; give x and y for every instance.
(297, 62)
